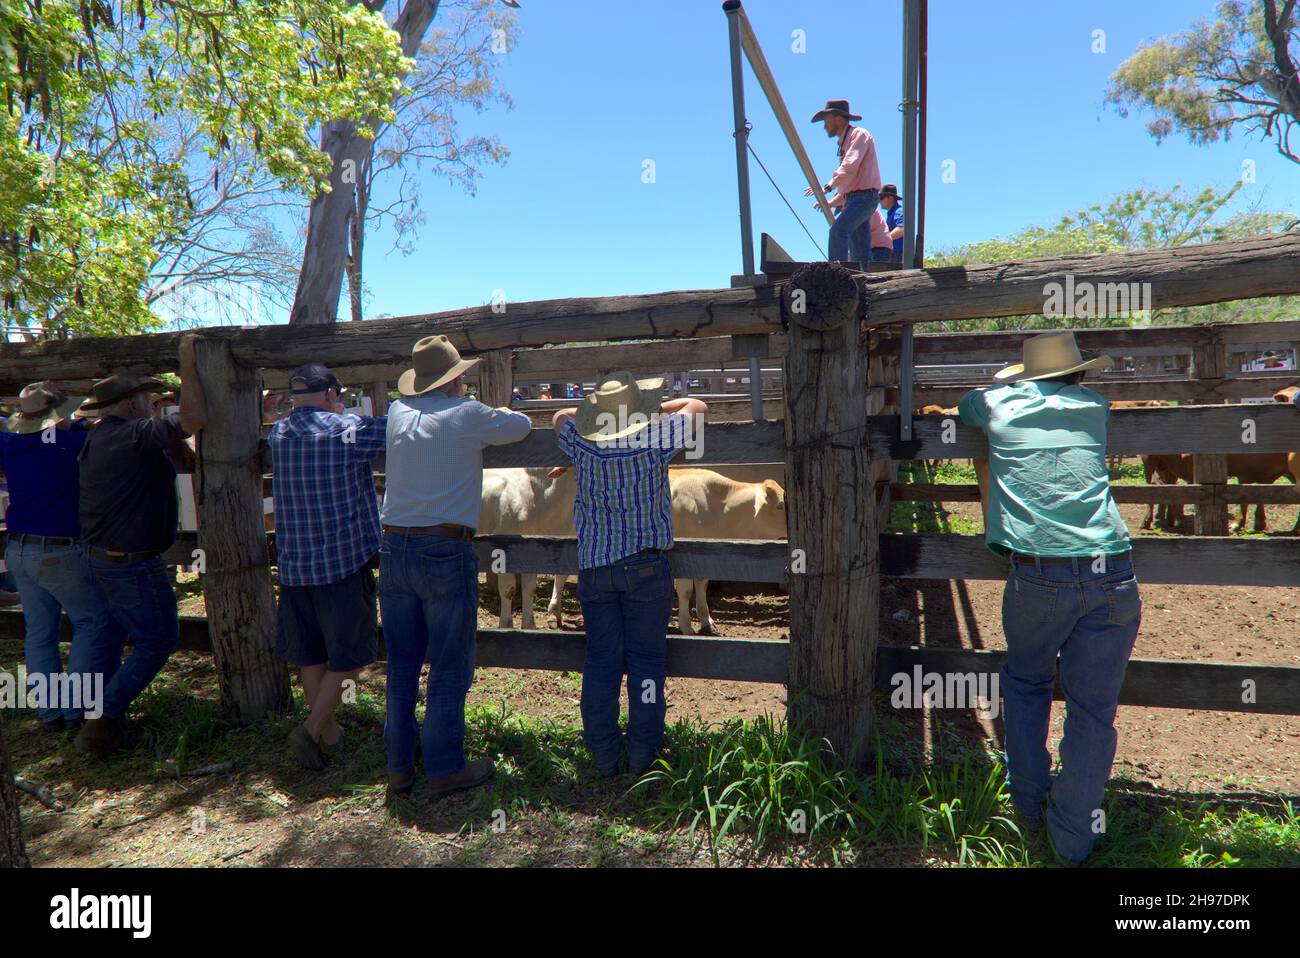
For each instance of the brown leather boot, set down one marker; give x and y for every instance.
(399, 783)
(102, 736)
(471, 776)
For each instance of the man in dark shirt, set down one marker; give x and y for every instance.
(38, 456)
(128, 520)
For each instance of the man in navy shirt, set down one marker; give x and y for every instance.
(128, 520)
(893, 209)
(38, 456)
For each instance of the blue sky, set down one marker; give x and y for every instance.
(1015, 102)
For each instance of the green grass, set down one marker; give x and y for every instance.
(744, 792)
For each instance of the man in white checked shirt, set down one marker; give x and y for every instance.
(621, 440)
(428, 571)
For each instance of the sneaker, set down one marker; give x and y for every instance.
(102, 736)
(471, 776)
(305, 749)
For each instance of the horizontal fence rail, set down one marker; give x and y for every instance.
(1205, 560)
(1148, 683)
(1206, 495)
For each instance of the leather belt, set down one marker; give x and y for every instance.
(1062, 560)
(126, 558)
(448, 530)
(44, 540)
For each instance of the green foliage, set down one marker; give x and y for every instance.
(1234, 71)
(87, 199)
(1138, 219)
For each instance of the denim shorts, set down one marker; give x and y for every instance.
(332, 623)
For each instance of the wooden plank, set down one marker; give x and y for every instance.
(1132, 432)
(585, 362)
(749, 560)
(763, 72)
(1202, 392)
(1125, 494)
(496, 378)
(1209, 361)
(723, 442)
(1184, 276)
(1170, 561)
(1148, 683)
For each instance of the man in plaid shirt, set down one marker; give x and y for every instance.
(327, 535)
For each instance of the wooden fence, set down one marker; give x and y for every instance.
(838, 439)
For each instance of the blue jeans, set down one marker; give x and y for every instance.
(626, 607)
(1091, 619)
(52, 579)
(851, 231)
(428, 597)
(882, 254)
(136, 599)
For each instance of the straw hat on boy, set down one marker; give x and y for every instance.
(619, 407)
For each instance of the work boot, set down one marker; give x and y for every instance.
(471, 776)
(103, 736)
(305, 749)
(399, 783)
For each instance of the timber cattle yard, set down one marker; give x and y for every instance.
(986, 560)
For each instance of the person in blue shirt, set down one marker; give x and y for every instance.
(891, 205)
(1071, 591)
(38, 456)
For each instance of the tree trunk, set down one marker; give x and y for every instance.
(236, 571)
(12, 852)
(321, 277)
(831, 514)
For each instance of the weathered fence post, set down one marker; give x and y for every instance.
(830, 512)
(1210, 362)
(496, 382)
(235, 567)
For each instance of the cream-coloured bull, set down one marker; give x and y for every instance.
(527, 502)
(707, 505)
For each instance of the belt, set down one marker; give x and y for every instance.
(46, 540)
(1062, 560)
(859, 192)
(125, 558)
(448, 530)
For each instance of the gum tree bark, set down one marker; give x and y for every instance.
(12, 852)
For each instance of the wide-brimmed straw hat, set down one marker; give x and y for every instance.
(1050, 354)
(619, 407)
(119, 386)
(436, 362)
(835, 106)
(40, 406)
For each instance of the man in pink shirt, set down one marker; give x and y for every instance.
(856, 182)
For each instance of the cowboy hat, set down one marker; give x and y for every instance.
(835, 106)
(436, 362)
(619, 407)
(116, 387)
(40, 406)
(1050, 354)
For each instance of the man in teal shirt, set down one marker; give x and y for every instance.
(1070, 590)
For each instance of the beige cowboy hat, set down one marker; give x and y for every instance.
(436, 362)
(40, 406)
(1050, 354)
(619, 407)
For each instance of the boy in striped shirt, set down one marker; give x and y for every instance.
(621, 440)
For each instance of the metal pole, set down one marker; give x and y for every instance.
(911, 58)
(732, 9)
